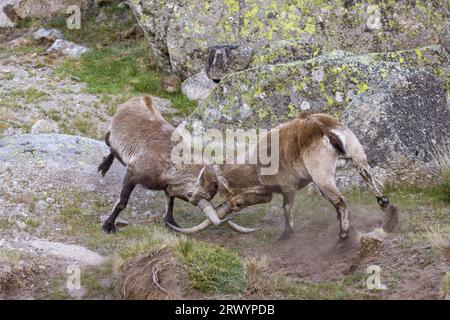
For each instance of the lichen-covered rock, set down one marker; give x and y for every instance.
(267, 95)
(198, 86)
(285, 51)
(181, 31)
(406, 118)
(225, 59)
(154, 17)
(396, 102)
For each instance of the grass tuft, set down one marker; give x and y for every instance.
(212, 268)
(121, 71)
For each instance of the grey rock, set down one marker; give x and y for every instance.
(225, 59)
(47, 35)
(91, 187)
(44, 126)
(68, 48)
(198, 86)
(406, 118)
(75, 253)
(180, 32)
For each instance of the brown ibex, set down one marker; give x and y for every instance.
(309, 149)
(141, 139)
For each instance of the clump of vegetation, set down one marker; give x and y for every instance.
(8, 256)
(122, 71)
(442, 160)
(212, 268)
(29, 95)
(446, 286)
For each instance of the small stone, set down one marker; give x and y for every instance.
(91, 188)
(50, 200)
(47, 36)
(171, 83)
(19, 42)
(148, 214)
(68, 48)
(44, 126)
(21, 225)
(198, 86)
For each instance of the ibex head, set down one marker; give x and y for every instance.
(237, 201)
(204, 186)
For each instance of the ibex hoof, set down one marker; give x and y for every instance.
(286, 235)
(343, 235)
(109, 227)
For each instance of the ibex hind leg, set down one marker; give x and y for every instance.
(127, 187)
(106, 164)
(332, 194)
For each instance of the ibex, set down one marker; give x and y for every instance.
(309, 150)
(141, 139)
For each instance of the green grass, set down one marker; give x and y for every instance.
(121, 71)
(212, 268)
(12, 257)
(29, 95)
(93, 33)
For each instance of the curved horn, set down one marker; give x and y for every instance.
(238, 228)
(222, 211)
(210, 212)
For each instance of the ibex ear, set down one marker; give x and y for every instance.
(225, 184)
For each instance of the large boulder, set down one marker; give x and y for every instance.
(405, 119)
(396, 101)
(181, 31)
(329, 82)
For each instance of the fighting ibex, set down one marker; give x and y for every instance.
(309, 149)
(141, 139)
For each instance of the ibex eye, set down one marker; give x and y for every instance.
(189, 194)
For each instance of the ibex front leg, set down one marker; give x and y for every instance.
(127, 187)
(169, 219)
